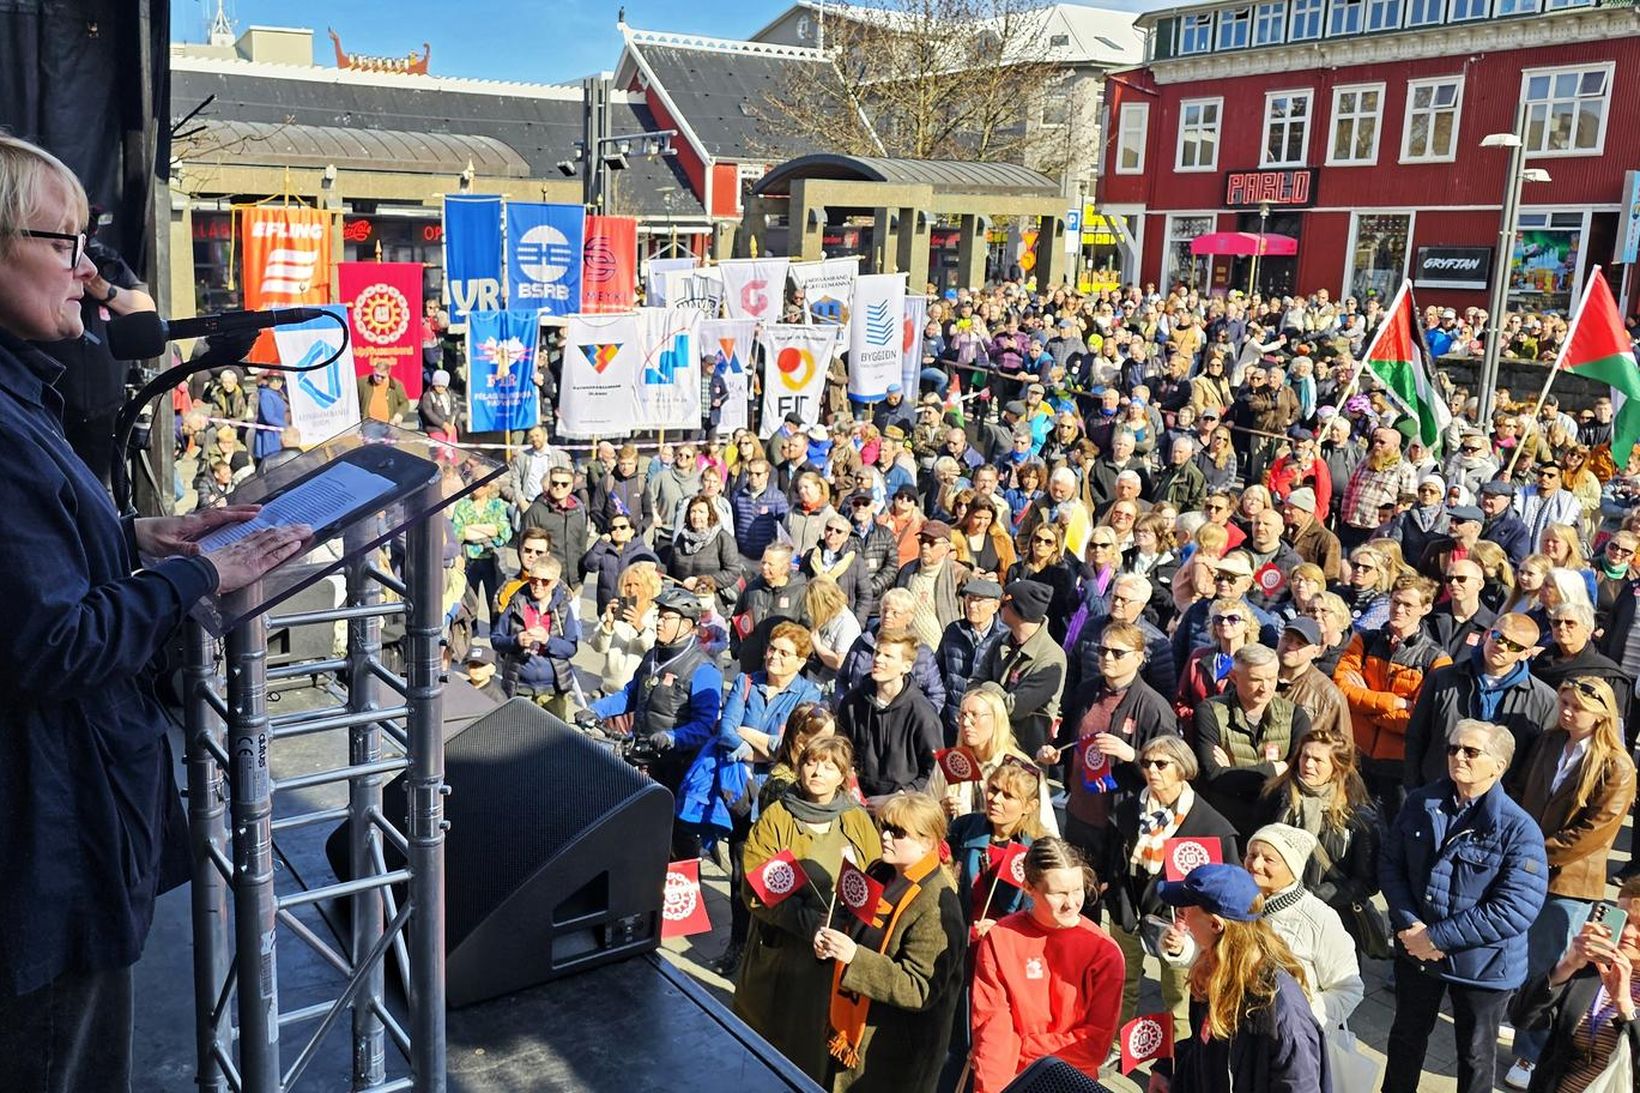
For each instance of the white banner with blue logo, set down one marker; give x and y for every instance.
(501, 391)
(325, 401)
(472, 253)
(876, 353)
(544, 256)
(827, 287)
(729, 341)
(669, 383)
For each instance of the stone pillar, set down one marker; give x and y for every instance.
(724, 235)
(912, 247)
(805, 241)
(971, 251)
(1050, 252)
(887, 225)
(754, 229)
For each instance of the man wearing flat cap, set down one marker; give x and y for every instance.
(1028, 664)
(1311, 540)
(1492, 684)
(966, 644)
(1503, 525)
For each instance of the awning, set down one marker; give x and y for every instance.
(1243, 243)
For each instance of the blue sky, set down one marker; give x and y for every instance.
(538, 41)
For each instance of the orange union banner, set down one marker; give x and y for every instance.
(286, 261)
(609, 268)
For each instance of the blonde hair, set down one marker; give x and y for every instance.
(824, 599)
(1385, 574)
(1211, 539)
(1390, 551)
(648, 578)
(1566, 535)
(1238, 974)
(1493, 560)
(1606, 754)
(27, 173)
(1333, 604)
(1002, 732)
(917, 814)
(1023, 784)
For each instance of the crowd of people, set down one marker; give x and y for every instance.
(1168, 569)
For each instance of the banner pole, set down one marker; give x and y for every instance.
(1565, 347)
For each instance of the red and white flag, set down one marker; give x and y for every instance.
(1145, 1039)
(959, 765)
(1181, 855)
(858, 892)
(777, 878)
(1009, 863)
(683, 904)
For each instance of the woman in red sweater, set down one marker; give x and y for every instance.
(1046, 980)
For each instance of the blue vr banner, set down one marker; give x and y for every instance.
(501, 391)
(472, 253)
(544, 257)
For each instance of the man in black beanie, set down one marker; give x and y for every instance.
(1028, 664)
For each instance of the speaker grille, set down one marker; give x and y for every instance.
(523, 784)
(1051, 1075)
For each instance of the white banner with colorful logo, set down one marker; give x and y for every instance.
(876, 356)
(795, 359)
(325, 401)
(501, 390)
(828, 288)
(669, 385)
(754, 288)
(598, 393)
(729, 341)
(916, 317)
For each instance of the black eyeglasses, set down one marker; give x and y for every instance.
(893, 831)
(1233, 620)
(559, 483)
(1587, 689)
(75, 239)
(1113, 651)
(1155, 764)
(620, 527)
(1468, 752)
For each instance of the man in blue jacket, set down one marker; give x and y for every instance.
(1464, 872)
(1503, 526)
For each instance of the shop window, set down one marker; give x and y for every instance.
(1543, 270)
(1378, 256)
(1180, 264)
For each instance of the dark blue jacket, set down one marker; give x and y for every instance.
(1277, 1049)
(91, 829)
(970, 842)
(605, 563)
(548, 671)
(856, 666)
(758, 519)
(1476, 880)
(958, 658)
(1511, 533)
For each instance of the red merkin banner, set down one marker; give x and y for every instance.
(858, 892)
(609, 267)
(683, 904)
(1009, 863)
(383, 301)
(1182, 854)
(1145, 1039)
(959, 765)
(779, 877)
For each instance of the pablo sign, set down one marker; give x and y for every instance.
(1292, 187)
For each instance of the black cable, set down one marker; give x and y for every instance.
(126, 420)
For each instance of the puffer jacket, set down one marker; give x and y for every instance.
(1372, 676)
(1476, 880)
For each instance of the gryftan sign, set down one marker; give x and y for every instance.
(1292, 188)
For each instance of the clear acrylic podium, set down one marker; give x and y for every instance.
(393, 724)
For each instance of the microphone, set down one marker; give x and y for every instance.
(144, 334)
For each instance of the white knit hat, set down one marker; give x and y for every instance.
(1294, 844)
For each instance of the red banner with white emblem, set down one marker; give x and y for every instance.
(383, 302)
(683, 903)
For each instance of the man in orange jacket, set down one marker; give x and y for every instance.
(1381, 674)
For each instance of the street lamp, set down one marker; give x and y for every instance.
(1263, 218)
(1507, 227)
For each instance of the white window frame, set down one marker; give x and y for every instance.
(1230, 17)
(1609, 67)
(1189, 25)
(1457, 119)
(1355, 228)
(1561, 5)
(1452, 15)
(1129, 114)
(1439, 7)
(1179, 164)
(1337, 8)
(1377, 7)
(1377, 124)
(1518, 7)
(1168, 276)
(1269, 13)
(1306, 9)
(1270, 97)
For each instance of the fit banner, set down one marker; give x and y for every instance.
(285, 260)
(669, 385)
(655, 273)
(827, 288)
(598, 394)
(795, 359)
(384, 305)
(609, 271)
(754, 288)
(472, 253)
(876, 357)
(325, 401)
(916, 317)
(729, 342)
(501, 391)
(544, 244)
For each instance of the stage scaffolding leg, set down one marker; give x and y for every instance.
(230, 736)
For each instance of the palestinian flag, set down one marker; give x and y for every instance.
(1597, 346)
(1397, 357)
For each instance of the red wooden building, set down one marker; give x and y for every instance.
(1355, 126)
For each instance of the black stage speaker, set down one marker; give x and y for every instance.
(555, 859)
(1051, 1075)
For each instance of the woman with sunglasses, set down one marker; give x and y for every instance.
(782, 991)
(984, 729)
(1206, 673)
(897, 981)
(1366, 592)
(1045, 978)
(535, 638)
(1043, 560)
(1166, 807)
(1579, 784)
